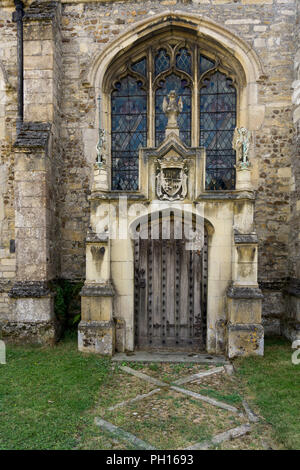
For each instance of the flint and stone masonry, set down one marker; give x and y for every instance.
(51, 191)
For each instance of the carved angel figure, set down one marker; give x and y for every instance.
(172, 108)
(241, 144)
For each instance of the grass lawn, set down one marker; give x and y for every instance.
(44, 394)
(50, 396)
(272, 384)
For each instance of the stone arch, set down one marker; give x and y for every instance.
(209, 226)
(242, 55)
(165, 209)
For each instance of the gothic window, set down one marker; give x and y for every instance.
(128, 131)
(208, 117)
(217, 124)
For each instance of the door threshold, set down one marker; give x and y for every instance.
(154, 356)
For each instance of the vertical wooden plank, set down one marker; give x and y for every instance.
(204, 286)
(150, 288)
(143, 288)
(136, 292)
(169, 279)
(191, 299)
(197, 287)
(177, 257)
(164, 292)
(184, 292)
(156, 298)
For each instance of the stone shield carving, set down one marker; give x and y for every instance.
(171, 179)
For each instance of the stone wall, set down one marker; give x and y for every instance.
(63, 39)
(268, 27)
(295, 184)
(8, 111)
(291, 319)
(43, 100)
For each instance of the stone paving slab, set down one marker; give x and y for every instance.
(209, 400)
(145, 377)
(146, 356)
(133, 400)
(199, 375)
(253, 418)
(123, 435)
(224, 436)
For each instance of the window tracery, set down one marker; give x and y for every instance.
(208, 118)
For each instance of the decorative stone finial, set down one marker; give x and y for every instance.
(172, 108)
(241, 144)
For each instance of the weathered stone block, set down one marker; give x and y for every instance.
(34, 112)
(245, 340)
(38, 62)
(220, 337)
(244, 311)
(120, 334)
(32, 319)
(290, 325)
(37, 332)
(96, 308)
(32, 48)
(257, 2)
(30, 310)
(97, 337)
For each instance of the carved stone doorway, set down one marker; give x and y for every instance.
(170, 287)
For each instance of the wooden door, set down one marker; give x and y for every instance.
(170, 293)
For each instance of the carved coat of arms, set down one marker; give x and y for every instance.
(171, 179)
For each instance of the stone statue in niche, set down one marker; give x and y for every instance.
(172, 108)
(241, 144)
(100, 147)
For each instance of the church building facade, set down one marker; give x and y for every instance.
(150, 150)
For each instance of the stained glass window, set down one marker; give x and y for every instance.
(137, 103)
(184, 61)
(205, 64)
(128, 132)
(140, 67)
(173, 82)
(217, 123)
(162, 62)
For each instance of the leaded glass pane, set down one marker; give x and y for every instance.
(184, 61)
(162, 62)
(205, 64)
(128, 132)
(217, 124)
(140, 67)
(173, 82)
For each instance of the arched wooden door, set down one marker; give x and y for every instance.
(170, 291)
